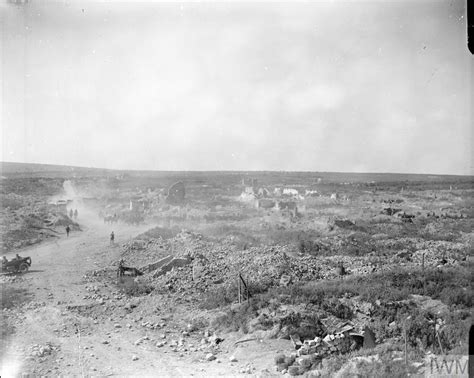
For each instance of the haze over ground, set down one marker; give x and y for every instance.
(376, 86)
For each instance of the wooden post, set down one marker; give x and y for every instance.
(406, 346)
(238, 281)
(247, 292)
(423, 272)
(439, 341)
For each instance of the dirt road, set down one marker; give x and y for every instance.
(74, 327)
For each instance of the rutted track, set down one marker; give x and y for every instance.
(81, 345)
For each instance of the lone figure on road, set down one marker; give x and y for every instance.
(75, 214)
(112, 238)
(71, 213)
(68, 229)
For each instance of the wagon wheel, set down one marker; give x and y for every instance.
(23, 268)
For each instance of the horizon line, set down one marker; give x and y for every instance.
(233, 171)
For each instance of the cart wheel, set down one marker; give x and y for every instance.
(23, 268)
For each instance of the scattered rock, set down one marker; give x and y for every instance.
(210, 357)
(141, 339)
(285, 280)
(296, 341)
(294, 371)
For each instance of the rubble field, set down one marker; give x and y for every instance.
(280, 274)
(328, 279)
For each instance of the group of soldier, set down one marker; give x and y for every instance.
(73, 214)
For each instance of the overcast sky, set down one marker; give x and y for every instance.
(373, 86)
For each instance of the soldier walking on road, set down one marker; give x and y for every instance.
(68, 229)
(112, 238)
(75, 214)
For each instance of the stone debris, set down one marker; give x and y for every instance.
(338, 343)
(198, 264)
(285, 280)
(311, 352)
(247, 369)
(141, 340)
(38, 350)
(210, 357)
(296, 341)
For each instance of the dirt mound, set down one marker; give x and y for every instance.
(32, 224)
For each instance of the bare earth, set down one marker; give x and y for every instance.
(105, 345)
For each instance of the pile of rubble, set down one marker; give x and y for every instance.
(221, 264)
(323, 347)
(190, 261)
(142, 252)
(38, 350)
(310, 353)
